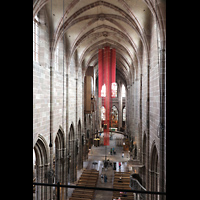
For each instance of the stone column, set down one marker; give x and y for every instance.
(140, 122)
(147, 129)
(64, 170)
(130, 112)
(120, 107)
(162, 131)
(72, 161)
(51, 129)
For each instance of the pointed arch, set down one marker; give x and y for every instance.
(79, 147)
(71, 153)
(42, 162)
(71, 132)
(41, 151)
(114, 117)
(154, 171)
(59, 140)
(59, 155)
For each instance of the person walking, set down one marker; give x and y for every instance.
(122, 154)
(119, 165)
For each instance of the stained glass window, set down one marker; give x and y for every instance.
(103, 113)
(123, 91)
(36, 39)
(124, 114)
(114, 89)
(114, 117)
(103, 91)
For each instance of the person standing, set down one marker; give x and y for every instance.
(105, 178)
(119, 165)
(122, 154)
(102, 178)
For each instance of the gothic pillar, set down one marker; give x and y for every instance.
(120, 107)
(51, 129)
(162, 133)
(148, 128)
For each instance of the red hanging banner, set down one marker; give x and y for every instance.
(107, 98)
(107, 76)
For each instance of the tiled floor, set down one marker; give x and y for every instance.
(95, 161)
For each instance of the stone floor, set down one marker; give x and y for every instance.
(97, 155)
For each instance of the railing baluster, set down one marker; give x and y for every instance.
(58, 191)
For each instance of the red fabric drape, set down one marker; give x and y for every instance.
(107, 98)
(107, 76)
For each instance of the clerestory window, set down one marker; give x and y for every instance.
(36, 39)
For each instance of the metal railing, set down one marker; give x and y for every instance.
(58, 185)
(135, 184)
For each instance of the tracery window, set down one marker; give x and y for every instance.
(123, 91)
(36, 39)
(114, 117)
(114, 90)
(103, 91)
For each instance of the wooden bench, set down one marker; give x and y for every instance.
(123, 175)
(88, 179)
(123, 179)
(83, 192)
(77, 198)
(89, 175)
(81, 195)
(123, 198)
(122, 172)
(87, 184)
(90, 172)
(115, 193)
(122, 183)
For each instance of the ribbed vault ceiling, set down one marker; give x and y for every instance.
(90, 24)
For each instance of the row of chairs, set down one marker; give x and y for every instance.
(122, 181)
(88, 178)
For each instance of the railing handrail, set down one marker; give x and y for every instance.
(138, 183)
(98, 188)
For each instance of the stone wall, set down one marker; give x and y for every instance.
(145, 92)
(65, 83)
